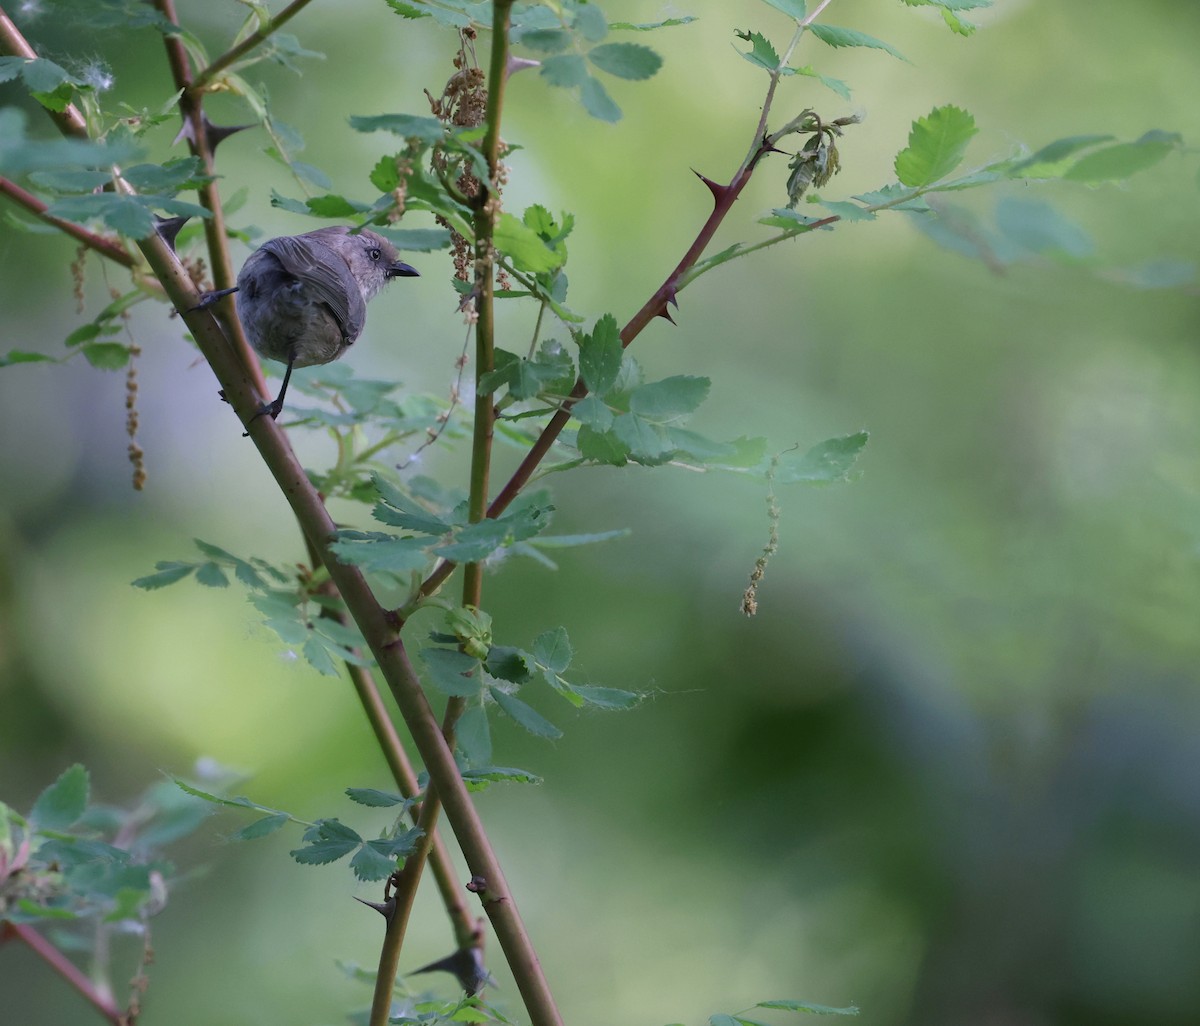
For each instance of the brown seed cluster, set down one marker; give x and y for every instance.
(77, 268)
(137, 456)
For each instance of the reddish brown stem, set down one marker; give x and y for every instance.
(724, 196)
(100, 243)
(64, 967)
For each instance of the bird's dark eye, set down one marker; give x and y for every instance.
(375, 254)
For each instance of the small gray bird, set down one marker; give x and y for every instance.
(302, 299)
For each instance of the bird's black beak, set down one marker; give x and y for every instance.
(402, 270)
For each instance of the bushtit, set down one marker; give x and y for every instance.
(302, 299)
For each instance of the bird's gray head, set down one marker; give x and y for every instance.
(373, 261)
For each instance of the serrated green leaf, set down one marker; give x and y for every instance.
(834, 84)
(508, 663)
(597, 102)
(1052, 160)
(833, 36)
(607, 698)
(792, 8)
(590, 22)
(15, 356)
(260, 828)
(534, 722)
(670, 398)
(847, 211)
(630, 61)
(807, 1006)
(473, 736)
(524, 247)
(602, 447)
(592, 412)
(1115, 163)
(761, 53)
(452, 672)
(650, 26)
(370, 863)
(328, 840)
(476, 542)
(936, 145)
(168, 573)
(600, 356)
(500, 774)
(63, 802)
(825, 463)
(567, 541)
(407, 126)
(552, 649)
(335, 206)
(211, 576)
(1038, 227)
(565, 70)
(390, 555)
(319, 657)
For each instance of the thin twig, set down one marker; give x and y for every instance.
(249, 43)
(65, 968)
(102, 244)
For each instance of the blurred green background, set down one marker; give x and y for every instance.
(950, 771)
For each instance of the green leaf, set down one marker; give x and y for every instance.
(478, 541)
(642, 438)
(168, 573)
(936, 145)
(590, 22)
(847, 211)
(602, 447)
(260, 827)
(553, 40)
(552, 649)
(1115, 163)
(1037, 227)
(807, 1006)
(524, 246)
(597, 102)
(565, 70)
(650, 26)
(1053, 160)
(386, 554)
(374, 861)
(669, 399)
(14, 356)
(607, 698)
(327, 841)
(834, 84)
(600, 356)
(593, 412)
(335, 206)
(525, 715)
(626, 60)
(567, 541)
(452, 672)
(508, 663)
(762, 53)
(792, 8)
(407, 10)
(825, 463)
(63, 802)
(211, 576)
(500, 774)
(407, 126)
(839, 37)
(473, 736)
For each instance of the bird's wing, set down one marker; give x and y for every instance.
(321, 269)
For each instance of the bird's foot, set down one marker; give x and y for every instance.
(209, 299)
